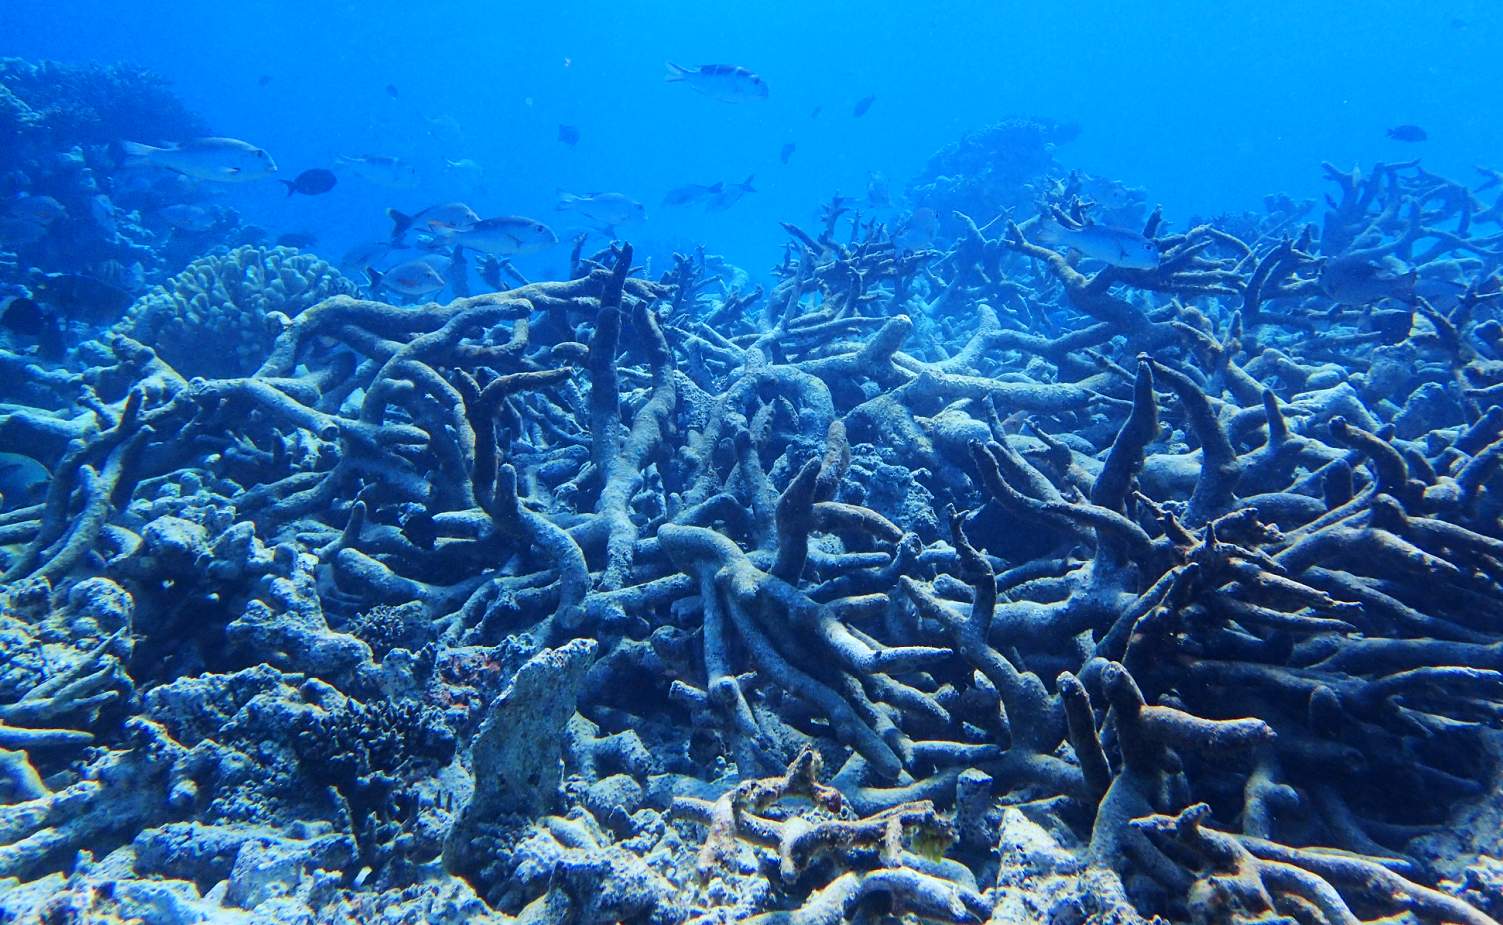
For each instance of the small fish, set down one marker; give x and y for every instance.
(263, 80)
(446, 216)
(188, 217)
(363, 255)
(787, 152)
(568, 134)
(1407, 132)
(730, 195)
(1355, 279)
(878, 193)
(313, 182)
(608, 209)
(391, 91)
(693, 192)
(298, 239)
(44, 210)
(222, 160)
(814, 113)
(380, 169)
(504, 236)
(413, 279)
(725, 82)
(862, 105)
(1120, 247)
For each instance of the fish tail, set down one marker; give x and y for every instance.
(375, 277)
(1048, 231)
(400, 222)
(675, 71)
(291, 187)
(747, 184)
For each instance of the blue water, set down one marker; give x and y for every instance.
(1207, 106)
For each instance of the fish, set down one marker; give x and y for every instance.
(19, 232)
(446, 216)
(221, 160)
(469, 171)
(363, 255)
(1408, 132)
(102, 211)
(725, 82)
(690, 193)
(82, 298)
(392, 91)
(730, 195)
(814, 113)
(23, 315)
(1120, 247)
(263, 80)
(298, 239)
(380, 169)
(414, 279)
(608, 209)
(314, 182)
(917, 231)
(787, 152)
(22, 478)
(862, 105)
(504, 236)
(188, 217)
(1357, 279)
(44, 210)
(878, 193)
(568, 134)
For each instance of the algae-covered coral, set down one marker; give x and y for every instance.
(968, 583)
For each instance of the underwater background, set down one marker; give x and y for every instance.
(773, 463)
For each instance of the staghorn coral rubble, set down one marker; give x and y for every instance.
(1103, 594)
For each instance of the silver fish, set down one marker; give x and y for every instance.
(380, 169)
(222, 160)
(725, 82)
(504, 236)
(414, 279)
(606, 208)
(730, 195)
(446, 216)
(691, 193)
(1120, 247)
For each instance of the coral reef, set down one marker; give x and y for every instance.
(982, 583)
(242, 298)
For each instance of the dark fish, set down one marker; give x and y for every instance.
(730, 195)
(82, 297)
(263, 80)
(814, 113)
(787, 152)
(862, 105)
(1407, 132)
(420, 530)
(298, 239)
(24, 316)
(391, 90)
(313, 182)
(693, 192)
(1357, 279)
(568, 134)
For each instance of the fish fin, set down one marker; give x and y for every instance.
(133, 152)
(747, 183)
(676, 71)
(375, 277)
(400, 221)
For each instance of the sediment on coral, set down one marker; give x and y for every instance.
(973, 583)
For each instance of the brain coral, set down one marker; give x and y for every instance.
(225, 299)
